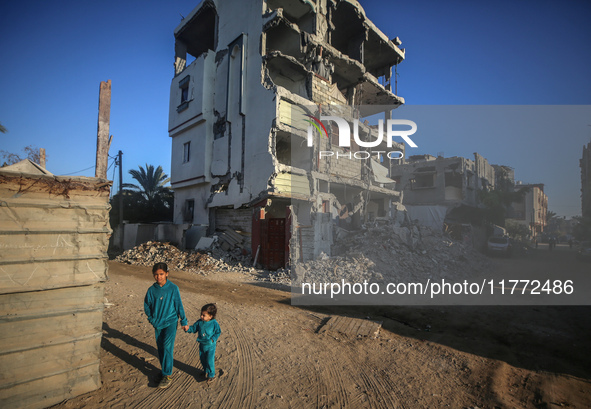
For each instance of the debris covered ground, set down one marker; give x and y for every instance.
(392, 252)
(375, 253)
(215, 260)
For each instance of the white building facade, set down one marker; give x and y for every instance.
(244, 71)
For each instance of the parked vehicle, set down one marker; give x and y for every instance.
(584, 251)
(499, 245)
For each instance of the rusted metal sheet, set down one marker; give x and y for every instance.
(53, 263)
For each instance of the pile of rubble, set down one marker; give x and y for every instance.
(233, 256)
(385, 253)
(392, 253)
(208, 261)
(151, 252)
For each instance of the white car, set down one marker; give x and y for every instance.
(499, 245)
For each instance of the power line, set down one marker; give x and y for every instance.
(112, 163)
(78, 171)
(114, 168)
(92, 167)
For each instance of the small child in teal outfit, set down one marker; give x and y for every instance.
(208, 331)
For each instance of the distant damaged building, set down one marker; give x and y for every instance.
(532, 210)
(252, 149)
(436, 188)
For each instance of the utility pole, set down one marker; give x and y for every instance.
(102, 136)
(120, 164)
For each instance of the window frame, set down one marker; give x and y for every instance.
(187, 152)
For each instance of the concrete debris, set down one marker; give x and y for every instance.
(394, 253)
(204, 243)
(230, 239)
(147, 254)
(215, 260)
(384, 253)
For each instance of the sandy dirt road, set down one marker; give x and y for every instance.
(271, 355)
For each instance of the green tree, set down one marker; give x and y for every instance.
(497, 201)
(582, 230)
(147, 202)
(555, 225)
(517, 230)
(2, 128)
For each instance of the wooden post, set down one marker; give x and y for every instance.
(42, 157)
(102, 136)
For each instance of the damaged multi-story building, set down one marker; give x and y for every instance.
(532, 210)
(438, 189)
(246, 72)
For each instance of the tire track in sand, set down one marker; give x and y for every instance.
(381, 393)
(433, 362)
(176, 394)
(238, 381)
(327, 369)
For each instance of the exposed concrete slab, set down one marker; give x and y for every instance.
(204, 243)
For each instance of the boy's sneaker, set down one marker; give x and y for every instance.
(165, 382)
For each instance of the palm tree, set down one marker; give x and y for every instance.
(148, 201)
(151, 182)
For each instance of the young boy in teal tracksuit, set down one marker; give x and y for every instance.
(208, 331)
(163, 307)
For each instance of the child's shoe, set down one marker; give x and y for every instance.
(165, 382)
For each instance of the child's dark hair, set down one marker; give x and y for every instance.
(211, 309)
(160, 266)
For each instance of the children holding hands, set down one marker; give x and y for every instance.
(163, 307)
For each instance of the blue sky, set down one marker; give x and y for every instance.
(54, 55)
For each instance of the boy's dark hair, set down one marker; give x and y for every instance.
(211, 309)
(160, 266)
